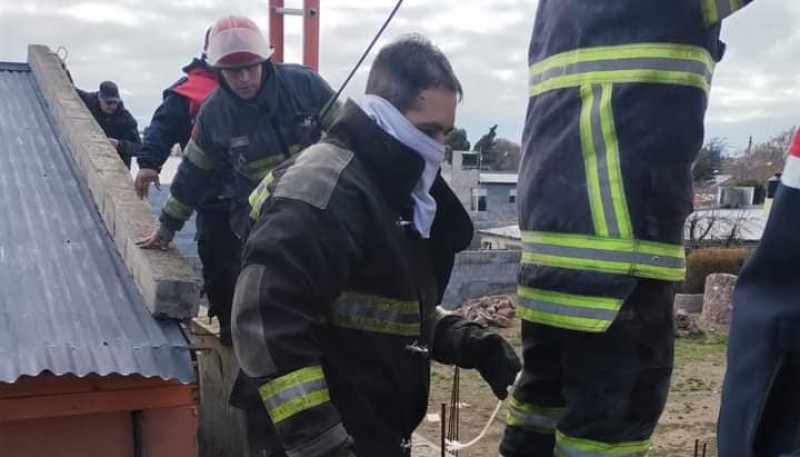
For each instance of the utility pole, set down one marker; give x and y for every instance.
(310, 14)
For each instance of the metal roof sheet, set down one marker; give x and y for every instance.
(67, 303)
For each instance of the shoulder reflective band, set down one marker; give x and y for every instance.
(575, 312)
(376, 314)
(294, 393)
(199, 157)
(716, 10)
(602, 162)
(256, 170)
(259, 196)
(657, 63)
(533, 418)
(644, 259)
(567, 446)
(177, 209)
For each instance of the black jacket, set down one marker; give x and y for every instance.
(334, 318)
(121, 126)
(760, 408)
(246, 139)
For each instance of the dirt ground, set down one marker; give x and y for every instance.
(690, 415)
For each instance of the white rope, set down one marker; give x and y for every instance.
(458, 446)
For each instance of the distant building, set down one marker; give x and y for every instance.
(489, 197)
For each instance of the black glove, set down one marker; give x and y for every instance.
(470, 345)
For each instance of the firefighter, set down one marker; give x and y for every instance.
(353, 242)
(116, 121)
(172, 124)
(262, 114)
(618, 93)
(760, 410)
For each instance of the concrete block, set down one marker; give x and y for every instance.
(164, 278)
(222, 427)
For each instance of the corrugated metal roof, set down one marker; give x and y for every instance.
(67, 303)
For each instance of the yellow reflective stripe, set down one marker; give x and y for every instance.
(568, 446)
(616, 183)
(177, 209)
(376, 325)
(376, 314)
(575, 312)
(622, 77)
(581, 301)
(590, 162)
(294, 393)
(539, 419)
(259, 196)
(199, 157)
(580, 324)
(606, 255)
(716, 10)
(268, 162)
(610, 244)
(628, 51)
(655, 63)
(257, 170)
(604, 266)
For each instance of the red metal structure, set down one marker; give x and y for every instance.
(310, 14)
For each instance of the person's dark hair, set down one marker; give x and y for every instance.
(408, 66)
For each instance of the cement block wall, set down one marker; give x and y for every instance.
(164, 279)
(480, 273)
(222, 427)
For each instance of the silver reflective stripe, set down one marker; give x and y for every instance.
(637, 258)
(533, 421)
(300, 390)
(602, 163)
(655, 64)
(356, 310)
(564, 310)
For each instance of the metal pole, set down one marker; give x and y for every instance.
(276, 29)
(311, 34)
(442, 442)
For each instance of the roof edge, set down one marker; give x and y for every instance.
(164, 278)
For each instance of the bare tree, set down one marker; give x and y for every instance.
(724, 228)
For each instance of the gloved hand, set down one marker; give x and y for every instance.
(467, 344)
(496, 361)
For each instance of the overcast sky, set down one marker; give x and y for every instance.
(141, 44)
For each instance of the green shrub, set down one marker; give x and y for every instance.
(703, 262)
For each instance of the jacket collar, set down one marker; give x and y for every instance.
(395, 167)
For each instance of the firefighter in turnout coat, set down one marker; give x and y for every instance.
(618, 93)
(335, 318)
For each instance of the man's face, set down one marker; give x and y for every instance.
(245, 82)
(434, 113)
(108, 107)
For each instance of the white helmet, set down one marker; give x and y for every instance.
(236, 41)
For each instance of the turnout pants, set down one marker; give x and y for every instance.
(220, 254)
(585, 394)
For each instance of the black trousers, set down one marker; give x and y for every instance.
(220, 253)
(594, 394)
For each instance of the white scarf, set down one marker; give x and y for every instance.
(393, 122)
